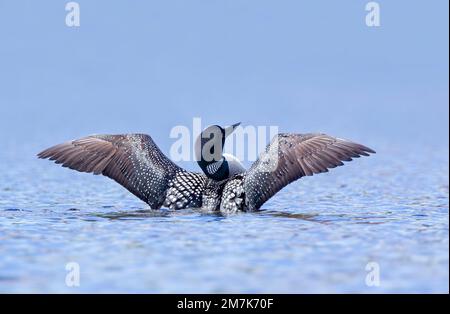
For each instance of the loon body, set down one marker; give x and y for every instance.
(135, 162)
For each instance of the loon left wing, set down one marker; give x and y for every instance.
(132, 160)
(291, 156)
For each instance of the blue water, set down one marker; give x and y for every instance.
(316, 235)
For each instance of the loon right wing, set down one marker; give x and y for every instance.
(291, 156)
(132, 160)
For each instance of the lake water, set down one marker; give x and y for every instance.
(388, 212)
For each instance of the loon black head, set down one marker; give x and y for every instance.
(209, 153)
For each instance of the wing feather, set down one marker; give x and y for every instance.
(291, 156)
(132, 160)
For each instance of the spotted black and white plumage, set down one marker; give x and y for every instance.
(233, 195)
(212, 168)
(185, 190)
(135, 162)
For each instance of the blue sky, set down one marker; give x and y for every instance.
(146, 66)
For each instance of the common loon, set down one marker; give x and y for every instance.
(136, 162)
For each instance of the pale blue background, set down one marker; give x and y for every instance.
(146, 66)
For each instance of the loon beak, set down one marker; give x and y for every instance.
(229, 129)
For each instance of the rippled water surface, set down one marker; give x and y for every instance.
(317, 235)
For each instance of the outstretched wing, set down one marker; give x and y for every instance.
(291, 156)
(132, 160)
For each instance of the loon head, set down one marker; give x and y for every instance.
(209, 153)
